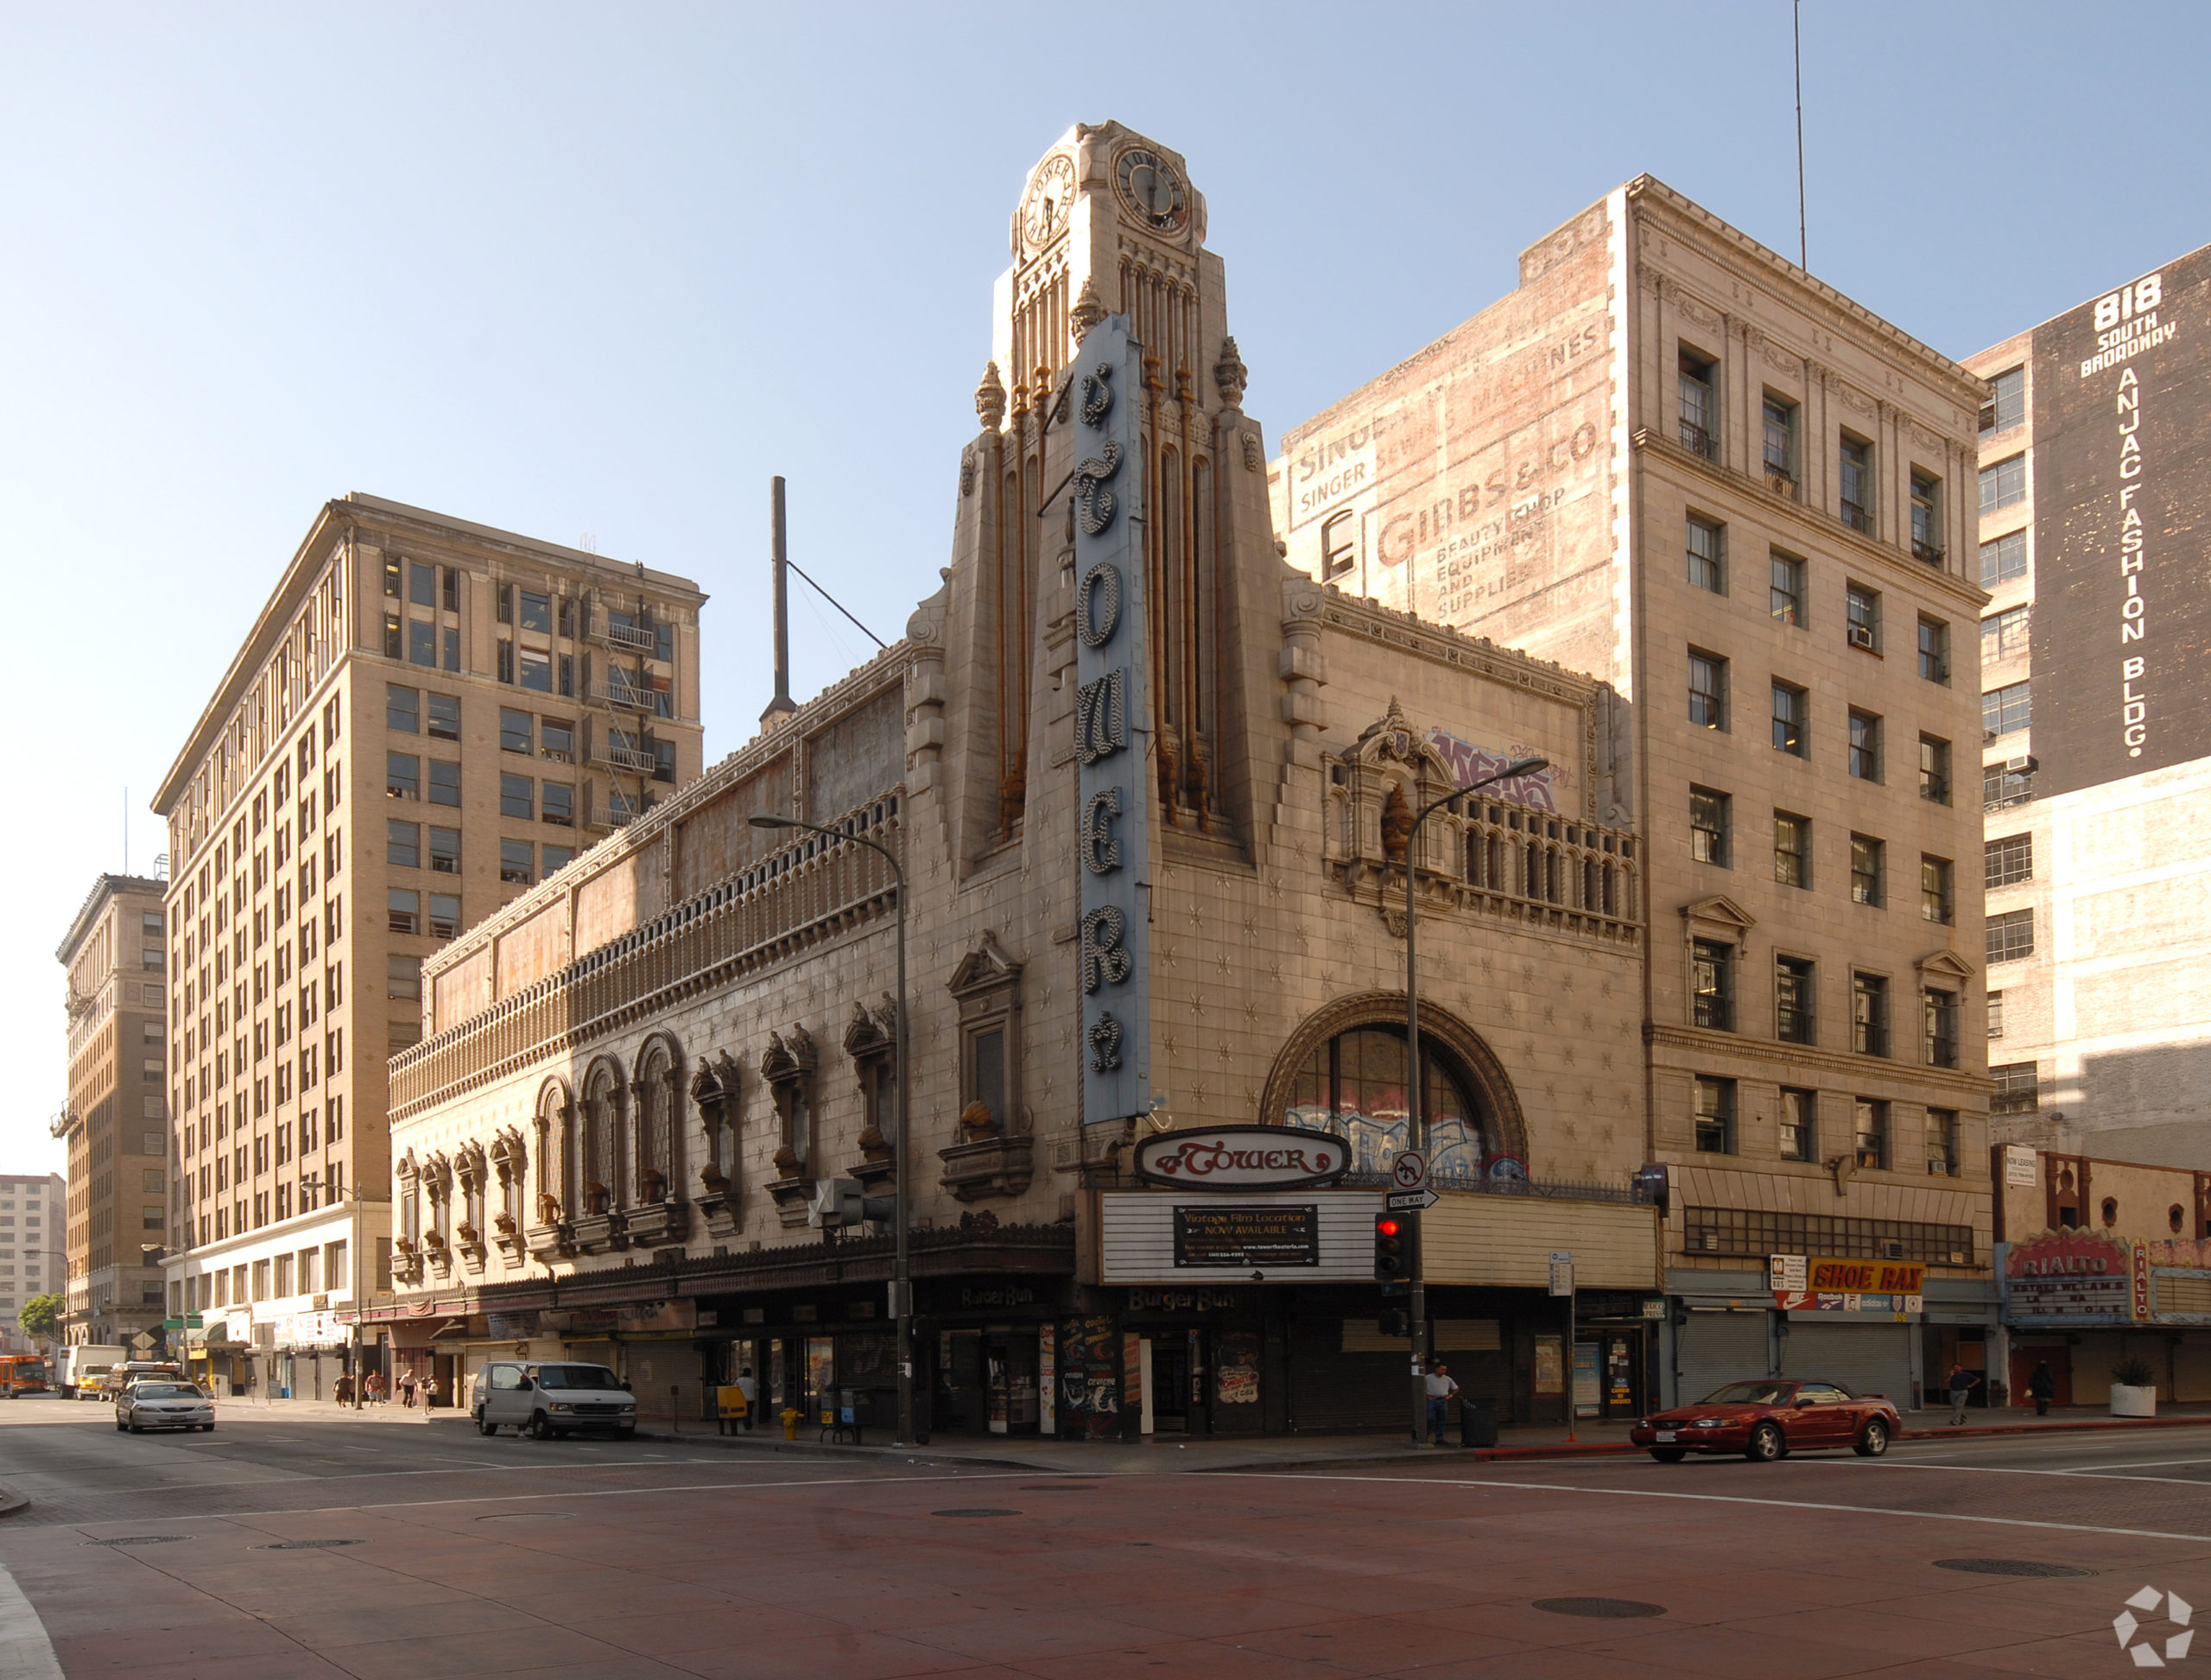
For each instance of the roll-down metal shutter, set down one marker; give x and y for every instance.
(1871, 1359)
(1719, 1347)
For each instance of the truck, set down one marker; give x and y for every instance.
(88, 1363)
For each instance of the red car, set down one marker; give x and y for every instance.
(1771, 1419)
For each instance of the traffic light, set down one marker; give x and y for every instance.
(1393, 1248)
(1392, 1323)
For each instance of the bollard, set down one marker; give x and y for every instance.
(674, 1409)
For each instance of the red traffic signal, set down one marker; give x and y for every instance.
(1392, 1249)
(1385, 1227)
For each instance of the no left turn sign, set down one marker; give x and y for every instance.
(1410, 1169)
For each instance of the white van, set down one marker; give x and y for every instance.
(552, 1398)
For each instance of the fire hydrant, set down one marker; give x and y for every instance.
(791, 1416)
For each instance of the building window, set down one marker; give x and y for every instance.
(2003, 484)
(1699, 406)
(2012, 783)
(2008, 408)
(1934, 649)
(1861, 607)
(1936, 897)
(536, 670)
(405, 910)
(405, 978)
(421, 584)
(1793, 1017)
(2005, 709)
(2004, 558)
(1792, 719)
(1870, 1124)
(506, 661)
(402, 708)
(1856, 484)
(402, 775)
(557, 804)
(391, 636)
(1787, 589)
(517, 797)
(444, 915)
(1708, 690)
(1792, 849)
(2004, 635)
(1712, 973)
(1339, 546)
(1780, 426)
(445, 717)
(2017, 1090)
(1926, 517)
(445, 783)
(403, 845)
(1869, 1014)
(514, 729)
(2008, 860)
(2011, 935)
(1934, 770)
(1939, 1023)
(1752, 1232)
(557, 741)
(1996, 1014)
(1715, 1116)
(1865, 746)
(536, 612)
(445, 851)
(1707, 551)
(1800, 1125)
(421, 642)
(1708, 826)
(555, 857)
(515, 862)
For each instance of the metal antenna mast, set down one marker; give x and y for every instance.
(1796, 31)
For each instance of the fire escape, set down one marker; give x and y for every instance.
(630, 694)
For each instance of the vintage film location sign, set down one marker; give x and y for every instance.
(1242, 1158)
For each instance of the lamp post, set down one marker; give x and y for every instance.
(902, 1283)
(1417, 1126)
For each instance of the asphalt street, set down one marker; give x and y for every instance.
(291, 1548)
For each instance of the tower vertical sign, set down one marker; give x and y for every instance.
(1112, 826)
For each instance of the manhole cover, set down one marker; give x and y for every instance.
(1615, 1609)
(976, 1510)
(304, 1545)
(2026, 1566)
(1056, 1486)
(521, 1516)
(140, 1540)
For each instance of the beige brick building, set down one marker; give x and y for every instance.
(638, 1075)
(2095, 494)
(116, 1125)
(426, 717)
(1674, 460)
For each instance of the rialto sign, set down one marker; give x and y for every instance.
(1242, 1157)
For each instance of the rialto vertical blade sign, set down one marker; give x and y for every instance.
(1112, 727)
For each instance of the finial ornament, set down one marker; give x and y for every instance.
(1230, 375)
(1088, 311)
(989, 398)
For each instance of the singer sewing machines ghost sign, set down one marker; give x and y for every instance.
(1113, 799)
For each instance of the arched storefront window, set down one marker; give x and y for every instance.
(1353, 1085)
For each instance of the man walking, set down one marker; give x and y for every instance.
(1961, 1384)
(749, 1386)
(2043, 1386)
(1441, 1388)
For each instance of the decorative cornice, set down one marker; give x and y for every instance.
(1961, 1089)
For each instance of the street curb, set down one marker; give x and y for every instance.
(801, 1449)
(2085, 1426)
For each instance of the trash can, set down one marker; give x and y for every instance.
(1477, 1421)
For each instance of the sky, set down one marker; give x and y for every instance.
(595, 273)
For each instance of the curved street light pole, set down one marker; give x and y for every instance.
(902, 1283)
(1415, 1091)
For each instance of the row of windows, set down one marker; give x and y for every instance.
(1787, 597)
(2005, 709)
(1713, 964)
(1712, 841)
(1796, 1133)
(310, 1271)
(1759, 1231)
(1791, 721)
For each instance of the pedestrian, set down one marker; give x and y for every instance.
(1440, 1389)
(374, 1388)
(406, 1387)
(2042, 1384)
(1962, 1382)
(749, 1386)
(430, 1390)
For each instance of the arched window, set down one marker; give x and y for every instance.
(602, 1142)
(656, 1093)
(556, 1155)
(1353, 1085)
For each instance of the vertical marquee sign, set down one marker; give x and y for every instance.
(1112, 827)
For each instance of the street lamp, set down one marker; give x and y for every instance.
(1417, 1126)
(902, 1283)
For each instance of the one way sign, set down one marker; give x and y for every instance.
(1407, 1202)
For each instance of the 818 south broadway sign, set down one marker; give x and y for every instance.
(1112, 826)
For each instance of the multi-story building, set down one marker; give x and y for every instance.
(2096, 548)
(32, 1208)
(1153, 792)
(426, 717)
(116, 1121)
(1674, 460)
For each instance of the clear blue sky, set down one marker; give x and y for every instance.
(604, 269)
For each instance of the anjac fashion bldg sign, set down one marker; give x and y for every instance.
(1242, 1158)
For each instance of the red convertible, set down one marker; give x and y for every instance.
(1771, 1419)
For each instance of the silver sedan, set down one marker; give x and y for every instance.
(145, 1406)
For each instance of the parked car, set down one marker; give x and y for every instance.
(1770, 1419)
(552, 1398)
(153, 1403)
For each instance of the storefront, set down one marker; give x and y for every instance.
(2085, 1303)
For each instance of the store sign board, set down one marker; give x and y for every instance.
(1252, 1236)
(1243, 1158)
(2070, 1275)
(2020, 1166)
(1865, 1277)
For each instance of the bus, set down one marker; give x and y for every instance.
(22, 1373)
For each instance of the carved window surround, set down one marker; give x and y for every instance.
(789, 1068)
(549, 1235)
(472, 1168)
(656, 1212)
(717, 1090)
(407, 1246)
(598, 1223)
(992, 1153)
(872, 1042)
(509, 1164)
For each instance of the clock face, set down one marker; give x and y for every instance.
(1051, 190)
(1154, 190)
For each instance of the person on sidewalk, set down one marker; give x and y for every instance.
(1961, 1384)
(749, 1386)
(373, 1389)
(2043, 1386)
(407, 1387)
(1441, 1388)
